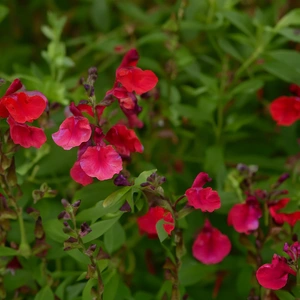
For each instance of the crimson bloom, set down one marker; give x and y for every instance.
(72, 132)
(274, 275)
(285, 110)
(211, 246)
(244, 217)
(205, 199)
(79, 175)
(102, 162)
(20, 107)
(280, 218)
(124, 139)
(147, 223)
(26, 136)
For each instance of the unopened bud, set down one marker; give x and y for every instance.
(84, 229)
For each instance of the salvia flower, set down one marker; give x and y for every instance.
(274, 275)
(147, 223)
(210, 245)
(205, 199)
(285, 110)
(20, 107)
(280, 218)
(244, 216)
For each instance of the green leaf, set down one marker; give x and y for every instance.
(5, 251)
(240, 20)
(192, 272)
(99, 228)
(282, 71)
(249, 86)
(77, 255)
(228, 47)
(100, 15)
(44, 293)
(98, 211)
(291, 34)
(116, 197)
(143, 177)
(152, 38)
(291, 18)
(54, 230)
(114, 238)
(162, 234)
(284, 295)
(3, 12)
(86, 293)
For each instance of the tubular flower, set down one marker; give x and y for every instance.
(205, 199)
(72, 132)
(274, 275)
(124, 139)
(244, 217)
(147, 223)
(101, 162)
(19, 108)
(280, 218)
(285, 110)
(211, 246)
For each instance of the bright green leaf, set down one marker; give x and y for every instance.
(44, 293)
(162, 234)
(116, 197)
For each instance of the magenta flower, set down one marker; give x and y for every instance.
(72, 132)
(211, 246)
(205, 199)
(244, 217)
(274, 275)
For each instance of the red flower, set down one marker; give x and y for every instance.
(147, 222)
(135, 79)
(275, 275)
(79, 175)
(211, 246)
(72, 132)
(285, 110)
(26, 136)
(101, 162)
(244, 217)
(280, 218)
(124, 139)
(25, 106)
(203, 198)
(295, 89)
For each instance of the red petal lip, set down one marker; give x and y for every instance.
(101, 162)
(275, 275)
(25, 106)
(211, 246)
(285, 110)
(147, 222)
(72, 132)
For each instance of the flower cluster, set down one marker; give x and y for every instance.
(100, 154)
(285, 110)
(210, 245)
(19, 106)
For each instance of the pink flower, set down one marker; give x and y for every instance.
(203, 198)
(124, 139)
(275, 275)
(285, 110)
(147, 222)
(102, 162)
(72, 132)
(244, 217)
(26, 136)
(79, 175)
(211, 246)
(280, 218)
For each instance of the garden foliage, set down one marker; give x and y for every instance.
(149, 149)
